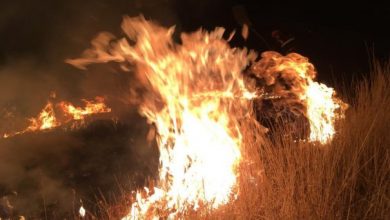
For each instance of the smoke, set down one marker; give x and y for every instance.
(52, 170)
(55, 168)
(35, 39)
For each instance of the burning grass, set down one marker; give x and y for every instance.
(346, 179)
(284, 179)
(198, 96)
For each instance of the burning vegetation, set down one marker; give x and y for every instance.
(196, 97)
(47, 117)
(213, 110)
(294, 98)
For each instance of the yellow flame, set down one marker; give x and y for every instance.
(321, 111)
(45, 120)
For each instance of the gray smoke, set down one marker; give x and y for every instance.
(44, 175)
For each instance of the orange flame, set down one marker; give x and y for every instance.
(192, 85)
(192, 90)
(47, 118)
(292, 77)
(195, 96)
(91, 107)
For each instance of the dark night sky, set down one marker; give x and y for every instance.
(339, 40)
(336, 38)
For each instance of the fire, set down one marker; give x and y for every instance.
(47, 118)
(195, 96)
(91, 107)
(291, 77)
(192, 86)
(322, 107)
(193, 90)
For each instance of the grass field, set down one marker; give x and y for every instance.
(346, 179)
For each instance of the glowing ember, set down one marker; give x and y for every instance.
(82, 211)
(245, 31)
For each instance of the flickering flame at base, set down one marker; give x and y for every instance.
(47, 118)
(322, 107)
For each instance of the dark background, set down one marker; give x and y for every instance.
(337, 38)
(37, 36)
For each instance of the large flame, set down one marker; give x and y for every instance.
(193, 88)
(47, 118)
(194, 96)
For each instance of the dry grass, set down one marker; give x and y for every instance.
(347, 179)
